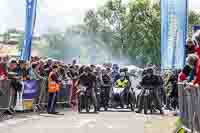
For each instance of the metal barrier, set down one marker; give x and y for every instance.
(38, 93)
(189, 105)
(6, 96)
(40, 101)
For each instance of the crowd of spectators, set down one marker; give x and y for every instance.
(191, 70)
(36, 68)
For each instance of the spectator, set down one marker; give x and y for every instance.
(23, 70)
(196, 81)
(190, 47)
(190, 64)
(12, 69)
(40, 68)
(35, 73)
(196, 41)
(12, 75)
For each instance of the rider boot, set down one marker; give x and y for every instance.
(122, 96)
(94, 99)
(157, 102)
(140, 104)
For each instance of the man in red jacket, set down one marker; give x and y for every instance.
(197, 78)
(196, 39)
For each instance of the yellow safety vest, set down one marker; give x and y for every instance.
(121, 83)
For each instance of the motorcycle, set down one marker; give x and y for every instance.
(85, 100)
(81, 99)
(116, 97)
(98, 95)
(103, 100)
(131, 100)
(147, 92)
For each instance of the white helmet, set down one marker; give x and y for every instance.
(122, 74)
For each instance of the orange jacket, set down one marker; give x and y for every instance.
(52, 85)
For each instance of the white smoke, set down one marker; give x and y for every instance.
(53, 13)
(50, 13)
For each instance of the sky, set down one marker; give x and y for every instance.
(52, 13)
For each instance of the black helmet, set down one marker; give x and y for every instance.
(149, 70)
(121, 70)
(87, 69)
(125, 69)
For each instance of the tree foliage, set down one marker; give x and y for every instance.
(134, 29)
(130, 30)
(193, 19)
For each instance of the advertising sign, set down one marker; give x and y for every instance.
(30, 89)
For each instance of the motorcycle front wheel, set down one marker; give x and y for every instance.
(145, 104)
(80, 103)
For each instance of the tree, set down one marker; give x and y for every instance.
(134, 28)
(131, 30)
(193, 19)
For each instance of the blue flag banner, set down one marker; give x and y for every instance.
(173, 33)
(29, 29)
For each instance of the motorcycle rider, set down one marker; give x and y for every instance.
(106, 84)
(127, 76)
(150, 80)
(128, 89)
(122, 83)
(140, 96)
(88, 80)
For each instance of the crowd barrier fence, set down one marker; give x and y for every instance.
(189, 105)
(6, 96)
(33, 95)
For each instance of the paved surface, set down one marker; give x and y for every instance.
(104, 122)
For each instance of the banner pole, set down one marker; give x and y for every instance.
(29, 29)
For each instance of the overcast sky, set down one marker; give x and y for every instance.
(52, 13)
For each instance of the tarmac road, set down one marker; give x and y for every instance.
(104, 122)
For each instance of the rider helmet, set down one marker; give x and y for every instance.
(125, 69)
(87, 69)
(149, 71)
(122, 74)
(122, 70)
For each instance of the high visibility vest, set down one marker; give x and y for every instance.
(52, 85)
(121, 83)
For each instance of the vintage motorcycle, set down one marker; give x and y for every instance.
(117, 98)
(85, 100)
